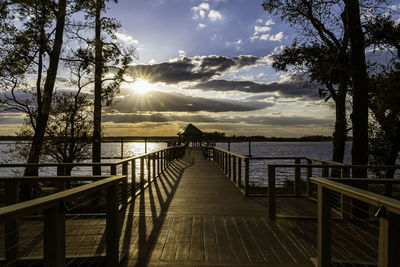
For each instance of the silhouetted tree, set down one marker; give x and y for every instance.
(27, 49)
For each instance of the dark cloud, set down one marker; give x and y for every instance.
(199, 68)
(162, 101)
(257, 120)
(287, 89)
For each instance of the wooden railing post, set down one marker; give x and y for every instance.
(141, 172)
(124, 188)
(148, 168)
(389, 237)
(61, 172)
(230, 166)
(226, 162)
(246, 176)
(112, 227)
(158, 163)
(153, 157)
(11, 226)
(297, 177)
(54, 236)
(325, 171)
(133, 177)
(113, 169)
(239, 173)
(234, 169)
(324, 227)
(309, 174)
(271, 193)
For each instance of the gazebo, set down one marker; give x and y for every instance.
(191, 134)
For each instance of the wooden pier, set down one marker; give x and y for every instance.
(191, 214)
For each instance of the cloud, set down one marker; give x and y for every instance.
(269, 22)
(201, 26)
(175, 102)
(200, 10)
(181, 53)
(184, 69)
(270, 37)
(214, 15)
(126, 38)
(277, 37)
(259, 29)
(204, 6)
(288, 89)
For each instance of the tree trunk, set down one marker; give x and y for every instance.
(27, 190)
(96, 146)
(360, 87)
(339, 136)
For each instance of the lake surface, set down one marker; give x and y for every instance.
(258, 169)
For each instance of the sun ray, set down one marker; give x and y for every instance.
(142, 86)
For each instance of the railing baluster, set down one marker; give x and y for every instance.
(271, 193)
(133, 177)
(239, 173)
(148, 168)
(246, 176)
(324, 227)
(112, 227)
(229, 166)
(113, 169)
(153, 157)
(11, 226)
(124, 188)
(309, 174)
(54, 236)
(158, 163)
(297, 178)
(141, 172)
(234, 169)
(389, 235)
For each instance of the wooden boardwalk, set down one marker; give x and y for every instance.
(192, 215)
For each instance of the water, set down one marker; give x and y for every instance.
(130, 149)
(258, 168)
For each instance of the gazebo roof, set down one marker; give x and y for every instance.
(190, 129)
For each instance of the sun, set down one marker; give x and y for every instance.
(141, 86)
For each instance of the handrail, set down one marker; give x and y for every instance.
(231, 153)
(368, 197)
(53, 207)
(53, 178)
(84, 164)
(34, 205)
(388, 214)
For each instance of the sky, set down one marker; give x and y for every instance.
(207, 62)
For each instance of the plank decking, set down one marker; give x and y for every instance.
(192, 215)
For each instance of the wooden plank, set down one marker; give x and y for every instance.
(225, 253)
(210, 240)
(235, 241)
(196, 251)
(158, 247)
(184, 242)
(248, 240)
(170, 248)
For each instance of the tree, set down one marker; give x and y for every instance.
(336, 25)
(359, 152)
(384, 98)
(315, 61)
(27, 49)
(105, 52)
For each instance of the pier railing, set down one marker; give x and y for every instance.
(140, 170)
(377, 231)
(53, 208)
(104, 196)
(238, 168)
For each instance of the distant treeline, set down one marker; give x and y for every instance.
(208, 136)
